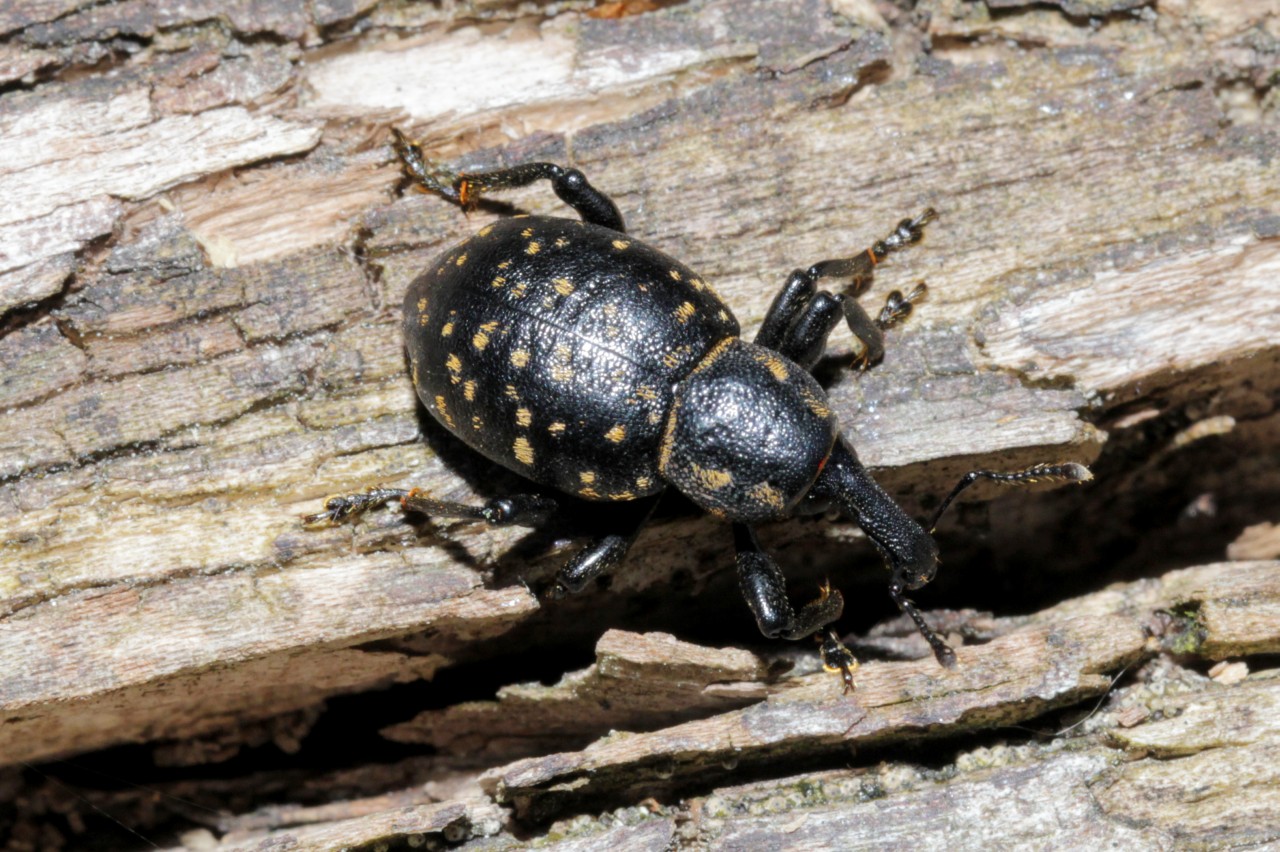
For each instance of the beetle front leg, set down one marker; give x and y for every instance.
(466, 188)
(802, 317)
(765, 588)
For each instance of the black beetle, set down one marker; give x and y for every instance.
(583, 359)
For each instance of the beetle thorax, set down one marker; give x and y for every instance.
(748, 433)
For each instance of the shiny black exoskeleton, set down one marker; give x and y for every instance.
(583, 359)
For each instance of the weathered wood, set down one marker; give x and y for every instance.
(202, 253)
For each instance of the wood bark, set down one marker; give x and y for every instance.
(203, 249)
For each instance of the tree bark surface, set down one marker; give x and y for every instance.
(203, 250)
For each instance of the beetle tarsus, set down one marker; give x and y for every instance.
(897, 307)
(340, 507)
(837, 659)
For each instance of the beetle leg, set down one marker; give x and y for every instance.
(466, 188)
(790, 302)
(518, 509)
(805, 338)
(801, 316)
(604, 553)
(765, 588)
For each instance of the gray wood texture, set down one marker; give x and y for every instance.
(203, 247)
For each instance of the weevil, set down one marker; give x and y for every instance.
(581, 358)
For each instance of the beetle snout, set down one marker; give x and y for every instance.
(920, 575)
(920, 566)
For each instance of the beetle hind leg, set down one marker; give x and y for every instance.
(466, 188)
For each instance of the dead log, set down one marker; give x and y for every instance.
(202, 254)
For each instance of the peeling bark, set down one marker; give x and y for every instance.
(202, 254)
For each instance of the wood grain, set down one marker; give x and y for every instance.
(203, 248)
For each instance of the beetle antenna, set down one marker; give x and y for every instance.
(1068, 472)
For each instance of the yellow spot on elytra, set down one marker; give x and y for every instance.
(697, 284)
(476, 422)
(646, 392)
(532, 248)
(511, 392)
(723, 315)
(622, 495)
(518, 291)
(556, 428)
(654, 418)
(469, 390)
(712, 479)
(617, 433)
(612, 332)
(523, 417)
(766, 494)
(587, 477)
(523, 450)
(481, 339)
(685, 312)
(562, 372)
(611, 310)
(675, 274)
(446, 329)
(668, 438)
(620, 244)
(444, 411)
(504, 264)
(462, 258)
(422, 304)
(563, 286)
(642, 482)
(589, 493)
(561, 242)
(485, 231)
(454, 366)
(520, 358)
(527, 233)
(498, 281)
(424, 319)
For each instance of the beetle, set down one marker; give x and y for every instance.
(583, 359)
